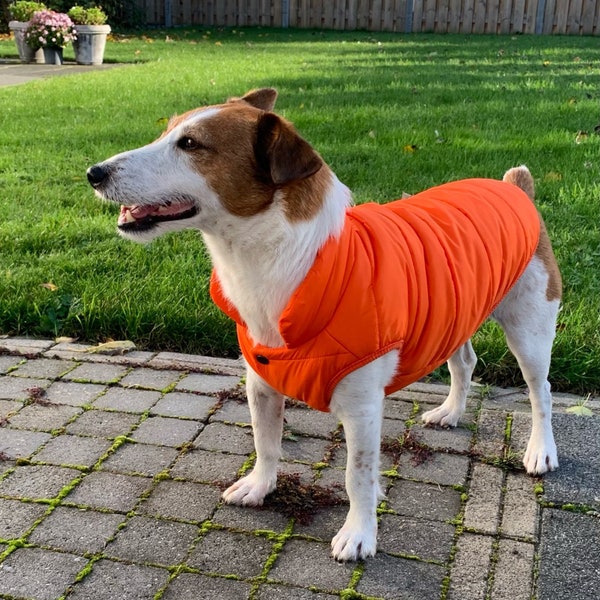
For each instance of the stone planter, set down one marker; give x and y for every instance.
(90, 43)
(26, 53)
(53, 55)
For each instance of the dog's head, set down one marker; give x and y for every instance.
(225, 160)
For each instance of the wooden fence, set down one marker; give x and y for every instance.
(442, 16)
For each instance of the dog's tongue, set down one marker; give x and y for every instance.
(130, 214)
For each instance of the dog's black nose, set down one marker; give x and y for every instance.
(96, 175)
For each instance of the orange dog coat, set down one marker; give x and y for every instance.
(419, 275)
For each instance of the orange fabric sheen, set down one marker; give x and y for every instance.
(419, 274)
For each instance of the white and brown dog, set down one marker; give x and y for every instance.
(284, 241)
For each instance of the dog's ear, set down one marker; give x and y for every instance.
(281, 153)
(263, 99)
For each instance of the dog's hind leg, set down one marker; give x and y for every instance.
(358, 403)
(528, 318)
(266, 410)
(461, 365)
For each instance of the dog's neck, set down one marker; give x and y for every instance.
(262, 259)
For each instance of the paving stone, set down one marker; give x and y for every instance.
(186, 586)
(7, 363)
(97, 373)
(153, 541)
(325, 523)
(16, 388)
(127, 400)
(74, 394)
(76, 530)
(423, 500)
(81, 353)
(110, 580)
(38, 574)
(207, 384)
(397, 409)
(179, 404)
(16, 518)
(247, 518)
(285, 592)
(44, 368)
(21, 444)
(181, 500)
(401, 579)
(140, 459)
(457, 439)
(520, 516)
(72, 450)
(310, 422)
(101, 423)
(151, 379)
(513, 576)
(577, 479)
(428, 540)
(485, 495)
(193, 362)
(445, 469)
(304, 449)
(25, 346)
(207, 467)
(8, 407)
(233, 411)
(490, 433)
(569, 566)
(291, 564)
(226, 438)
(520, 432)
(44, 417)
(166, 431)
(470, 569)
(228, 553)
(392, 428)
(37, 482)
(109, 491)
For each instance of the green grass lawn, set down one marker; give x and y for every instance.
(389, 113)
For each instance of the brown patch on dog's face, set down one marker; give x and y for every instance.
(247, 155)
(544, 252)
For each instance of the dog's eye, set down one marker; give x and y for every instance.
(188, 143)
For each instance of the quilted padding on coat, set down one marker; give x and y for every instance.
(419, 275)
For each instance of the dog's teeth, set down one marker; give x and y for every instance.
(125, 216)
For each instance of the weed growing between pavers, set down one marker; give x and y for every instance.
(396, 447)
(37, 395)
(301, 501)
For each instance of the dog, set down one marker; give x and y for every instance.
(290, 252)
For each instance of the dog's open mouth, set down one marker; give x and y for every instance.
(140, 217)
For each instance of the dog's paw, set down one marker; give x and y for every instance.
(250, 490)
(442, 415)
(352, 544)
(540, 457)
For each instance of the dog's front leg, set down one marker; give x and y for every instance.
(358, 403)
(266, 410)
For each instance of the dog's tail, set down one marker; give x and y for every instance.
(521, 177)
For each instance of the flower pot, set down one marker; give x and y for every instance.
(53, 55)
(26, 53)
(90, 43)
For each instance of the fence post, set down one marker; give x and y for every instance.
(285, 13)
(168, 13)
(408, 20)
(539, 17)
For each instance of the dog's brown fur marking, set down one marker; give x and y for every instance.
(545, 254)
